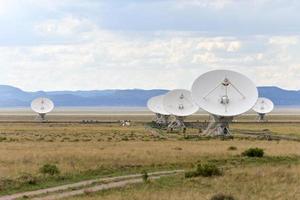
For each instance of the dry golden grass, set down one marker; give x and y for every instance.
(251, 183)
(17, 158)
(76, 147)
(275, 128)
(70, 115)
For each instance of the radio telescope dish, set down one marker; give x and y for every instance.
(224, 94)
(155, 104)
(179, 103)
(262, 107)
(42, 106)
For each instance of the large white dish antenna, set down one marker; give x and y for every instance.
(155, 104)
(42, 105)
(179, 102)
(224, 93)
(263, 106)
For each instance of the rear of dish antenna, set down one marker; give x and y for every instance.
(262, 107)
(179, 103)
(224, 94)
(155, 104)
(42, 106)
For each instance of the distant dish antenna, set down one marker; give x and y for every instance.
(262, 107)
(179, 103)
(224, 94)
(155, 104)
(42, 106)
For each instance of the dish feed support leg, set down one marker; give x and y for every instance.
(218, 126)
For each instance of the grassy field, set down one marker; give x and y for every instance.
(251, 183)
(273, 128)
(84, 151)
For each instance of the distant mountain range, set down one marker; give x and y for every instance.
(15, 97)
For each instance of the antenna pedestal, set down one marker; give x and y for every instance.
(218, 126)
(161, 120)
(261, 117)
(41, 117)
(177, 124)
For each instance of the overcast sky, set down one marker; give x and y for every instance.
(95, 44)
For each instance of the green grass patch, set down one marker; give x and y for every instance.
(254, 152)
(28, 182)
(205, 170)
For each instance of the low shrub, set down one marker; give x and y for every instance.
(191, 174)
(27, 179)
(253, 152)
(232, 148)
(221, 196)
(205, 170)
(3, 139)
(49, 169)
(145, 176)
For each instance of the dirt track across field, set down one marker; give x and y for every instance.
(84, 187)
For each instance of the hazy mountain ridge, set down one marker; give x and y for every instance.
(15, 97)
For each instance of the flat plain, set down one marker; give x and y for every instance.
(85, 146)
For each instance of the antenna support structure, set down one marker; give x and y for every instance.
(161, 120)
(261, 117)
(263, 106)
(219, 126)
(177, 124)
(41, 117)
(224, 94)
(179, 104)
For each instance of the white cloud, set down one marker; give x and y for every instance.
(211, 44)
(234, 46)
(217, 4)
(283, 40)
(66, 26)
(111, 59)
(5, 6)
(205, 58)
(75, 52)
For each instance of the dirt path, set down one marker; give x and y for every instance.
(97, 188)
(85, 186)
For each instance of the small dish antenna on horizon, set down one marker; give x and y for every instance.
(179, 102)
(155, 104)
(224, 94)
(262, 107)
(42, 106)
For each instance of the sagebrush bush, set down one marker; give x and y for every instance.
(49, 169)
(3, 139)
(221, 196)
(27, 179)
(145, 176)
(205, 170)
(253, 152)
(232, 148)
(190, 174)
(208, 170)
